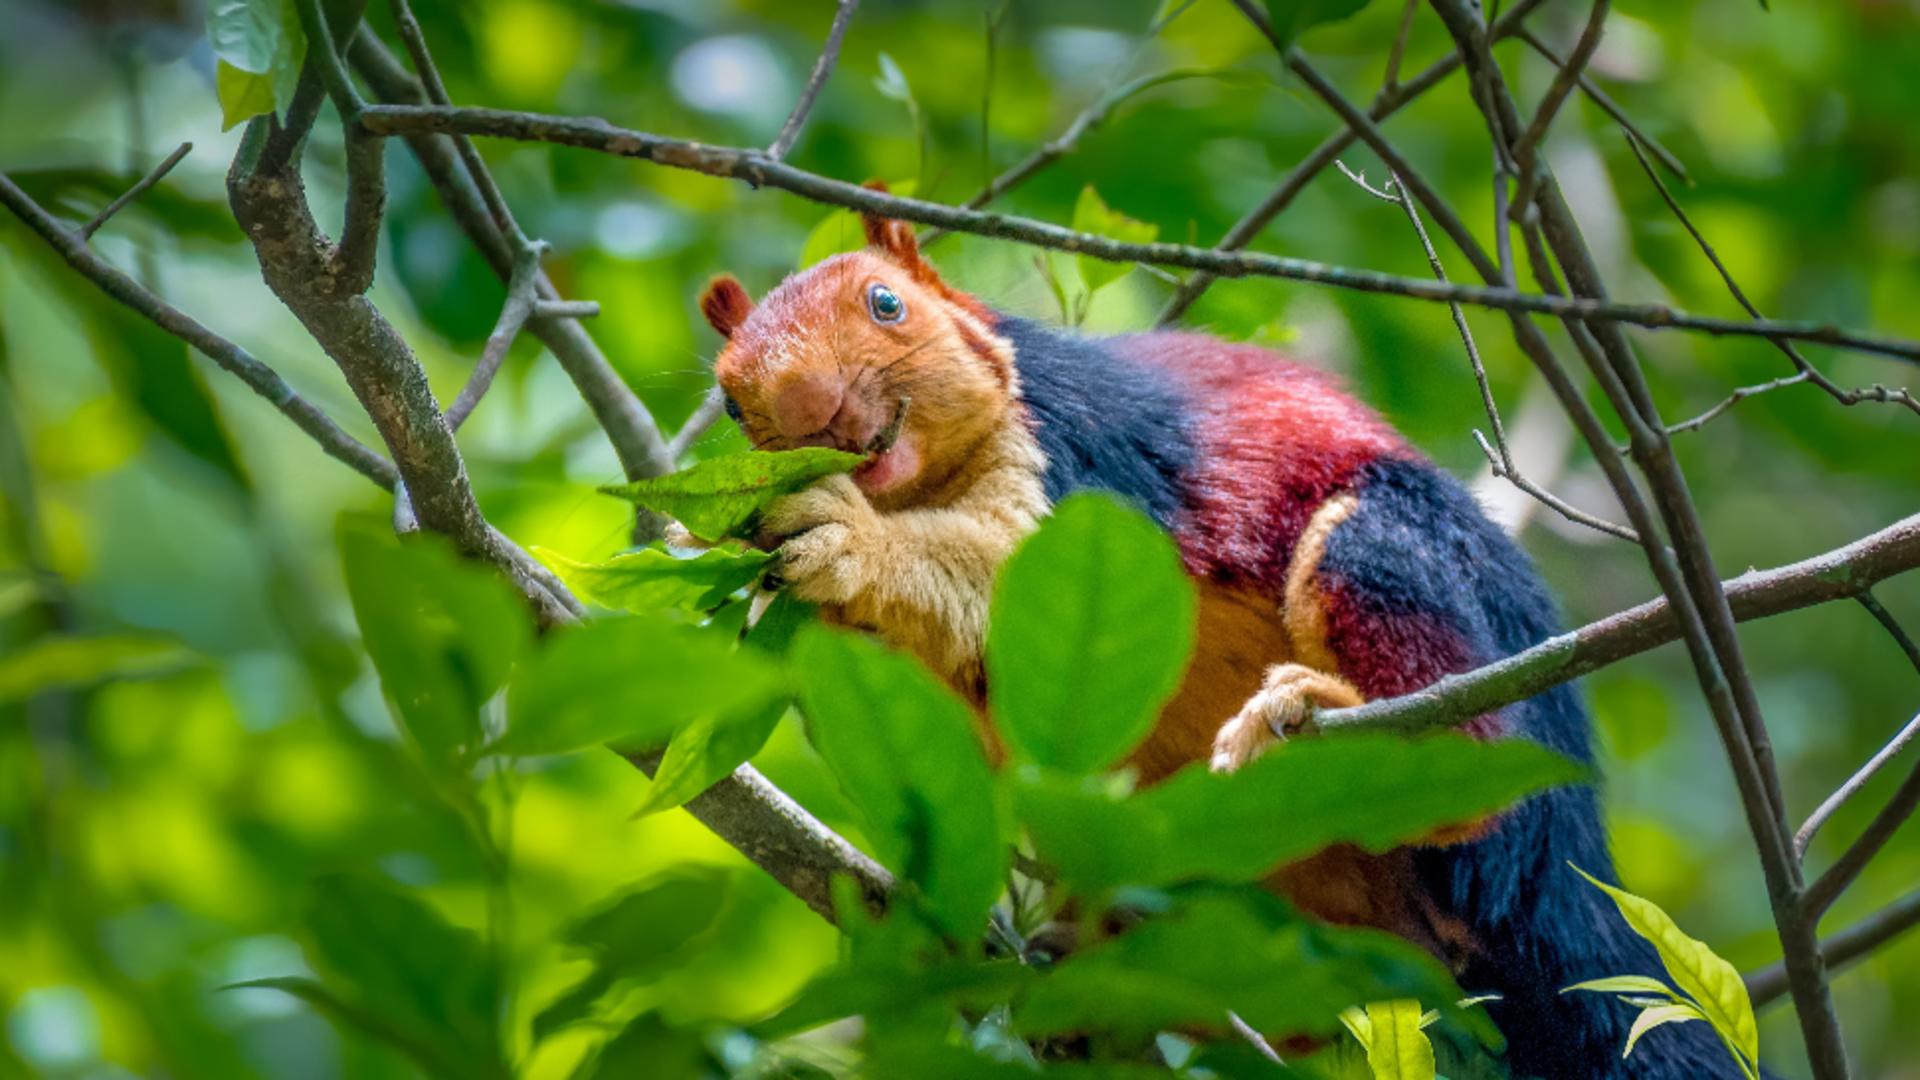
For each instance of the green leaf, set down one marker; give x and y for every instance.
(1091, 628)
(1657, 1015)
(1291, 18)
(1091, 214)
(892, 82)
(781, 619)
(1626, 984)
(443, 633)
(652, 579)
(1396, 1047)
(646, 931)
(1713, 983)
(906, 751)
(722, 497)
(243, 94)
(260, 45)
(56, 662)
(632, 680)
(1375, 791)
(647, 1046)
(393, 956)
(1234, 950)
(705, 752)
(372, 1023)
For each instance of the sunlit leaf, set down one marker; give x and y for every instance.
(1656, 1016)
(260, 45)
(57, 662)
(906, 752)
(1375, 791)
(1093, 621)
(706, 751)
(1702, 975)
(721, 497)
(634, 681)
(653, 579)
(1397, 1049)
(1091, 214)
(1625, 984)
(443, 633)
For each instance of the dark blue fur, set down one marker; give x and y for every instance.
(1104, 421)
(1418, 544)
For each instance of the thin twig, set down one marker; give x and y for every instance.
(1804, 369)
(153, 176)
(711, 409)
(1095, 114)
(1609, 106)
(1842, 949)
(436, 91)
(259, 377)
(1892, 626)
(514, 313)
(1399, 50)
(1252, 1035)
(1565, 78)
(1499, 457)
(1854, 783)
(750, 166)
(1847, 868)
(822, 68)
(566, 309)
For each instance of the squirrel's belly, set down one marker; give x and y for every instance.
(1240, 634)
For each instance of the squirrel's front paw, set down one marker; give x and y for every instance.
(1283, 706)
(828, 530)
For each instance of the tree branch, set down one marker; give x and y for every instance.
(1835, 575)
(1892, 626)
(260, 378)
(1612, 108)
(1844, 948)
(1564, 80)
(153, 176)
(1846, 869)
(636, 438)
(712, 408)
(822, 68)
(754, 168)
(1853, 785)
(519, 306)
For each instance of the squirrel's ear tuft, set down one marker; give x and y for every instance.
(894, 238)
(725, 304)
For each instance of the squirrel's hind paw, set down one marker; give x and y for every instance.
(1283, 706)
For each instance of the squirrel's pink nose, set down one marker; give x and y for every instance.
(806, 402)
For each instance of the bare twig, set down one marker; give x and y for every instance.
(1836, 575)
(1399, 50)
(1097, 112)
(1842, 949)
(462, 183)
(1892, 626)
(752, 167)
(822, 68)
(513, 315)
(566, 309)
(263, 380)
(1804, 370)
(153, 176)
(1564, 80)
(1609, 106)
(1253, 1037)
(711, 409)
(1853, 785)
(1847, 868)
(1499, 456)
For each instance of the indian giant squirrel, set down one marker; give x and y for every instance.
(1334, 564)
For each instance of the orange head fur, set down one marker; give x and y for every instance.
(836, 353)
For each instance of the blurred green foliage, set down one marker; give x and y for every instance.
(213, 788)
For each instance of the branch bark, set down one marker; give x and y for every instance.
(755, 168)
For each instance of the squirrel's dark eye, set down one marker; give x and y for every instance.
(732, 407)
(885, 304)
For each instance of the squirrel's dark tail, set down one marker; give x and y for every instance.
(1539, 927)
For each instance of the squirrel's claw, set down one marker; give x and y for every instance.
(1283, 707)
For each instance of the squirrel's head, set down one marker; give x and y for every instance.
(859, 348)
